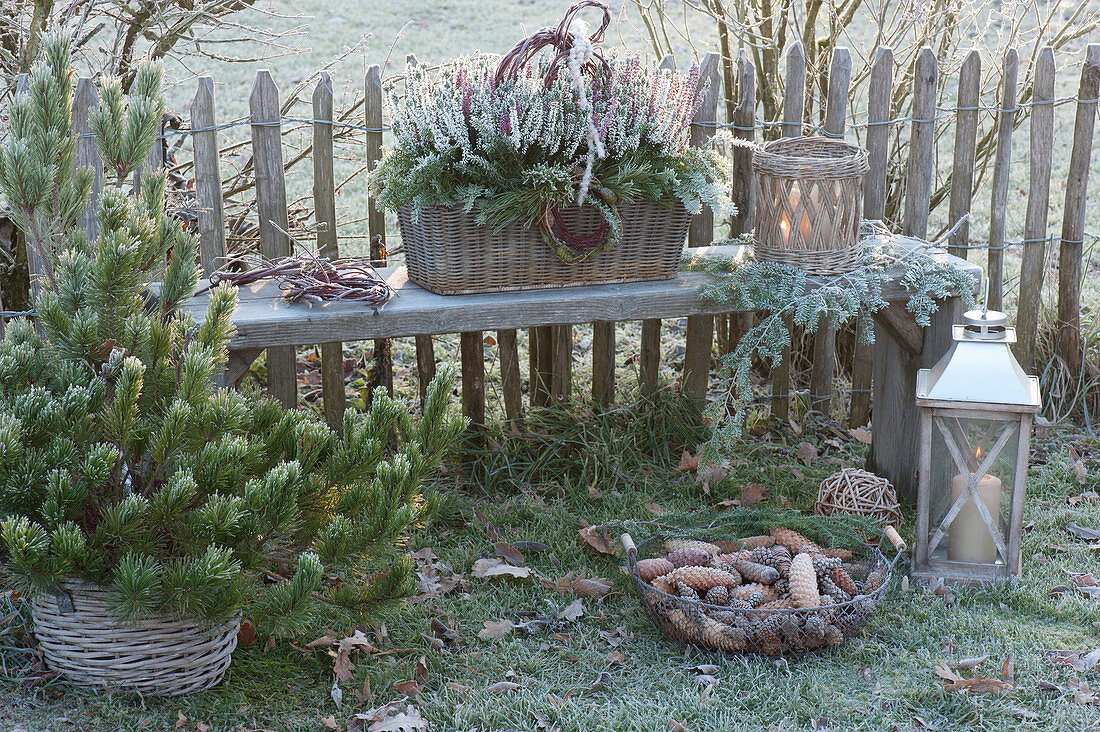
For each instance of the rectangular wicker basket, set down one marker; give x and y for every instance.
(448, 253)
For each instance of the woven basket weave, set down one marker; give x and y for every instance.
(447, 253)
(809, 203)
(156, 656)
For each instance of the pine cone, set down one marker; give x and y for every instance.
(874, 581)
(827, 587)
(761, 555)
(782, 585)
(702, 579)
(672, 545)
(746, 592)
(719, 595)
(781, 560)
(751, 542)
(769, 639)
(793, 540)
(736, 602)
(686, 591)
(728, 568)
(663, 584)
(833, 636)
(791, 632)
(649, 569)
(841, 554)
(823, 565)
(754, 572)
(689, 557)
(803, 580)
(843, 580)
(783, 603)
(814, 630)
(719, 636)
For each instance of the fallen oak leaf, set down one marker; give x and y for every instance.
(458, 688)
(689, 462)
(503, 687)
(806, 452)
(591, 588)
(572, 611)
(329, 722)
(753, 494)
(710, 476)
(507, 552)
(495, 629)
(1008, 669)
(408, 688)
(602, 682)
(486, 568)
(602, 543)
(246, 635)
(615, 658)
(530, 546)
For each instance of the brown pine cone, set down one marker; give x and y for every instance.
(841, 554)
(754, 572)
(689, 556)
(719, 595)
(766, 593)
(843, 580)
(874, 581)
(663, 584)
(769, 638)
(686, 591)
(672, 545)
(649, 569)
(761, 555)
(702, 579)
(833, 636)
(793, 540)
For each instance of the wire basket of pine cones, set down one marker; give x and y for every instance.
(778, 594)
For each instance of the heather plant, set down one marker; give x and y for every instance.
(509, 147)
(122, 464)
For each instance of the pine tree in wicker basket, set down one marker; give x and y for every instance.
(144, 509)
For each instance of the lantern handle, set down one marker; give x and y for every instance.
(895, 538)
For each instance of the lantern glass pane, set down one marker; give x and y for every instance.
(956, 440)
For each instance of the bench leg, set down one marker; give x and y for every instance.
(472, 348)
(895, 418)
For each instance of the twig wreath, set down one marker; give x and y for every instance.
(787, 296)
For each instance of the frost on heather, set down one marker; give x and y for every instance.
(462, 138)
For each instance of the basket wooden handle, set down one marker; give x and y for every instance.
(894, 537)
(628, 545)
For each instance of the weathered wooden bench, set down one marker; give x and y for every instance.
(265, 320)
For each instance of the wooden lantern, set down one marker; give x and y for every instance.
(977, 407)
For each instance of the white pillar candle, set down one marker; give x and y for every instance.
(969, 539)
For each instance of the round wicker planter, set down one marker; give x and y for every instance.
(155, 656)
(809, 203)
(448, 253)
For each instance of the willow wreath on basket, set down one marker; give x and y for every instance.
(571, 246)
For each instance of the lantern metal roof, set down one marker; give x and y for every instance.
(980, 369)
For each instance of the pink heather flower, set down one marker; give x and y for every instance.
(505, 126)
(467, 96)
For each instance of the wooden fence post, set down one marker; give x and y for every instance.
(1073, 221)
(376, 217)
(649, 350)
(267, 154)
(509, 376)
(874, 208)
(700, 328)
(425, 344)
(324, 208)
(966, 140)
(794, 104)
(733, 326)
(1038, 202)
(85, 99)
(922, 139)
(561, 381)
(1002, 164)
(208, 179)
(603, 362)
(472, 348)
(836, 124)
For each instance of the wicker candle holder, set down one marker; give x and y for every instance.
(809, 203)
(853, 490)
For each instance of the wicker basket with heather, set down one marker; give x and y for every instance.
(537, 170)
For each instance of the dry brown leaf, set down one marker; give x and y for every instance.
(421, 673)
(366, 694)
(862, 434)
(654, 509)
(617, 659)
(269, 644)
(503, 687)
(325, 641)
(975, 685)
(1083, 532)
(1008, 669)
(753, 494)
(711, 475)
(594, 493)
(406, 721)
(1086, 497)
(531, 546)
(202, 727)
(1082, 694)
(675, 726)
(572, 611)
(342, 665)
(617, 636)
(329, 722)
(970, 662)
(806, 452)
(945, 673)
(591, 588)
(506, 551)
(689, 462)
(485, 568)
(495, 629)
(181, 721)
(246, 635)
(458, 688)
(602, 543)
(408, 688)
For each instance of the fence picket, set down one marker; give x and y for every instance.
(733, 326)
(966, 140)
(1038, 204)
(879, 92)
(509, 376)
(922, 139)
(1073, 221)
(208, 179)
(1002, 164)
(649, 350)
(603, 362)
(794, 104)
(267, 154)
(376, 217)
(324, 207)
(700, 328)
(836, 116)
(85, 99)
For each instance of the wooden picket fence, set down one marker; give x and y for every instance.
(551, 346)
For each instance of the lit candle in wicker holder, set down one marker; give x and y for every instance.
(809, 203)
